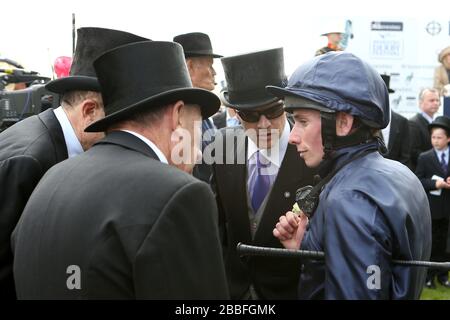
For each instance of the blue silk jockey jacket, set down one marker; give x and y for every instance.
(372, 211)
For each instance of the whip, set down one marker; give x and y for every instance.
(248, 250)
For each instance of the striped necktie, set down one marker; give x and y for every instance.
(443, 163)
(262, 183)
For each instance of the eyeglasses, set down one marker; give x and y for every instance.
(270, 113)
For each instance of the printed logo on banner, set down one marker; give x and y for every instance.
(386, 39)
(386, 26)
(434, 28)
(387, 48)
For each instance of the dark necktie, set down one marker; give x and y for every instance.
(443, 164)
(262, 183)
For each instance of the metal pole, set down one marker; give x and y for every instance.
(73, 33)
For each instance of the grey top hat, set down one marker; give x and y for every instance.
(146, 75)
(91, 43)
(247, 75)
(196, 44)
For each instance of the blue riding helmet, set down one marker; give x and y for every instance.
(339, 81)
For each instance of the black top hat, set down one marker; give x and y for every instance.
(196, 44)
(91, 43)
(222, 98)
(387, 80)
(441, 122)
(146, 75)
(247, 76)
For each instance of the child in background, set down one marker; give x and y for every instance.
(433, 171)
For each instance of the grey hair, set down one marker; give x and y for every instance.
(73, 98)
(423, 91)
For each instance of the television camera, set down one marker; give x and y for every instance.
(20, 104)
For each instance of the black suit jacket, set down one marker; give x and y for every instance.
(427, 166)
(420, 138)
(27, 150)
(220, 120)
(273, 278)
(399, 143)
(135, 227)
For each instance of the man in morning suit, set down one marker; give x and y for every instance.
(429, 103)
(121, 221)
(255, 176)
(30, 147)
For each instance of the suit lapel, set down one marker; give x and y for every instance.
(129, 141)
(55, 131)
(436, 163)
(292, 175)
(423, 124)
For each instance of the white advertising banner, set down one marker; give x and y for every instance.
(406, 49)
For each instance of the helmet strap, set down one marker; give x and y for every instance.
(332, 142)
(360, 136)
(328, 132)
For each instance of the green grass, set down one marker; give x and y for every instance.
(440, 293)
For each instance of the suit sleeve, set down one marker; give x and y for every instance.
(18, 178)
(357, 243)
(423, 175)
(183, 250)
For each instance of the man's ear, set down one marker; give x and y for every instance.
(344, 123)
(89, 110)
(190, 65)
(177, 114)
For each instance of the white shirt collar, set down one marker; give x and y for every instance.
(439, 152)
(280, 146)
(153, 146)
(73, 145)
(427, 117)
